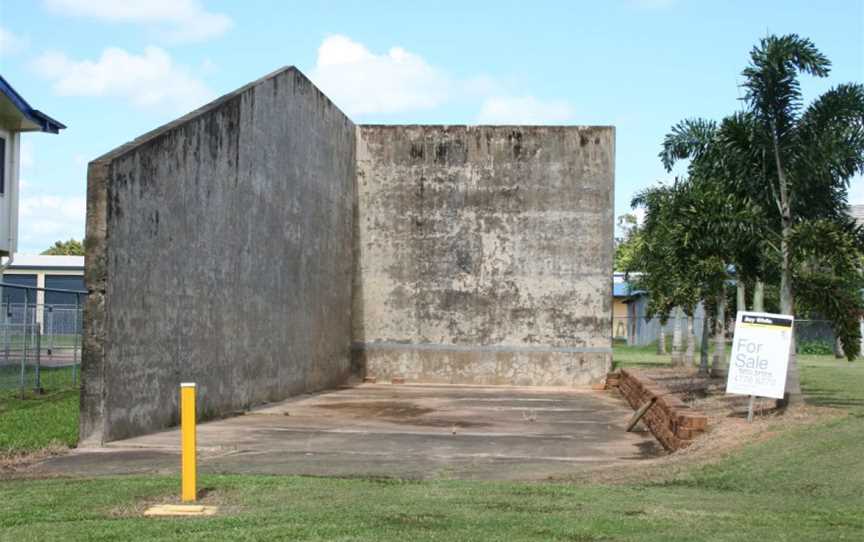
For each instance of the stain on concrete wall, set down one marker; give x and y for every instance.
(220, 252)
(484, 254)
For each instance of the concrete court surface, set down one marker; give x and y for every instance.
(404, 431)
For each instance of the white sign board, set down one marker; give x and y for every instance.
(760, 354)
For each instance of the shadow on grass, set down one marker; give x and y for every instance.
(831, 398)
(13, 400)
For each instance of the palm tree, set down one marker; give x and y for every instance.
(677, 357)
(658, 257)
(661, 332)
(719, 365)
(721, 221)
(809, 156)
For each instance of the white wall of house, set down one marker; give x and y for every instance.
(11, 140)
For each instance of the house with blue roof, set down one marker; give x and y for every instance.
(16, 117)
(630, 322)
(623, 294)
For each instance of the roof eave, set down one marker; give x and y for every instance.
(41, 121)
(48, 124)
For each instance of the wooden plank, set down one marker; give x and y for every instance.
(181, 510)
(639, 413)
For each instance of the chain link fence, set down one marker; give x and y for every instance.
(40, 344)
(811, 336)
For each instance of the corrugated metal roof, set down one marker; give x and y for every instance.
(39, 261)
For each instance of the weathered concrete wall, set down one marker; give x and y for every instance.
(484, 254)
(220, 252)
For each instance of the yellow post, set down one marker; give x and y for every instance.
(187, 429)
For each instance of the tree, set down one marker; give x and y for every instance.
(628, 243)
(665, 261)
(828, 267)
(71, 247)
(810, 156)
(720, 223)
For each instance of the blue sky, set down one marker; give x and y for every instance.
(111, 70)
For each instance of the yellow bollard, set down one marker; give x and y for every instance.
(189, 466)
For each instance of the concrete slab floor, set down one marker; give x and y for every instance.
(404, 431)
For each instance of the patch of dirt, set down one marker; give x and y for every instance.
(728, 429)
(206, 496)
(13, 463)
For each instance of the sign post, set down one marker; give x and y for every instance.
(188, 430)
(760, 356)
(188, 465)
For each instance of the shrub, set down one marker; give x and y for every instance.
(815, 348)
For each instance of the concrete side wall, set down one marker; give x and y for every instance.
(484, 254)
(220, 252)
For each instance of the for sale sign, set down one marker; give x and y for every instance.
(760, 354)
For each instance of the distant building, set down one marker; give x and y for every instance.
(629, 320)
(623, 294)
(49, 272)
(16, 116)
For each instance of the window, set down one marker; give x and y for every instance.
(2, 166)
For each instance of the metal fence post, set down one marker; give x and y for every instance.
(24, 346)
(6, 315)
(38, 331)
(50, 328)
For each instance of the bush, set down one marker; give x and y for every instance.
(815, 348)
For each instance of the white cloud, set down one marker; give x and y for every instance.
(524, 110)
(11, 43)
(45, 219)
(362, 82)
(26, 156)
(176, 20)
(149, 79)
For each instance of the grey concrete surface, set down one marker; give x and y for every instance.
(409, 431)
(219, 251)
(484, 253)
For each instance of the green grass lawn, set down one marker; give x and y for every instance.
(37, 421)
(50, 378)
(806, 484)
(294, 508)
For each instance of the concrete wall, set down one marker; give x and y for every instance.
(220, 252)
(484, 254)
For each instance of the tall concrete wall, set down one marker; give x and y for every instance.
(484, 254)
(220, 252)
